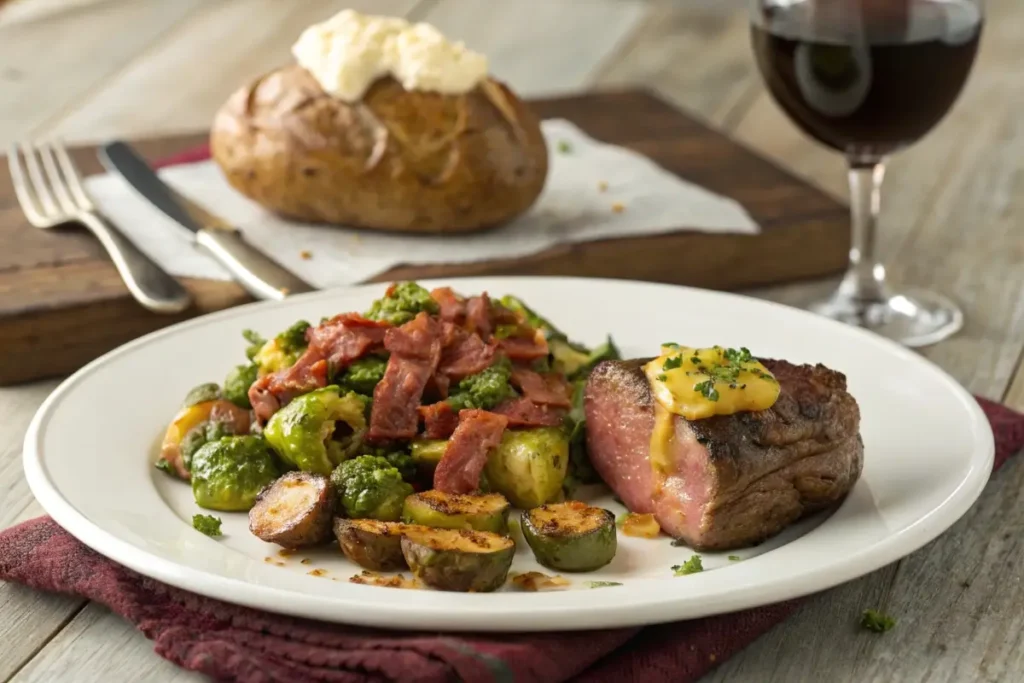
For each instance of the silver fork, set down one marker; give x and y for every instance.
(51, 194)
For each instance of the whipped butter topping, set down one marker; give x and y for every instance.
(350, 51)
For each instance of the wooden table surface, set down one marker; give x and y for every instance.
(953, 208)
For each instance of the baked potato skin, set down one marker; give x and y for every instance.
(397, 160)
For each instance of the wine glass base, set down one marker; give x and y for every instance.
(913, 318)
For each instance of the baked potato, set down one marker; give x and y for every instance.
(397, 160)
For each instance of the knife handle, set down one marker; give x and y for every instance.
(257, 273)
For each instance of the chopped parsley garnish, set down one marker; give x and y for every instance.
(207, 524)
(662, 377)
(672, 363)
(875, 621)
(734, 558)
(670, 345)
(164, 466)
(691, 566)
(564, 147)
(256, 343)
(741, 356)
(707, 389)
(602, 584)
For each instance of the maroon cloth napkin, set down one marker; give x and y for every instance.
(237, 644)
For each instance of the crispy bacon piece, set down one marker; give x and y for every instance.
(522, 412)
(270, 392)
(415, 352)
(549, 389)
(452, 306)
(478, 432)
(525, 348)
(465, 354)
(439, 420)
(478, 315)
(346, 338)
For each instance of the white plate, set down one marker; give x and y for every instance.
(90, 450)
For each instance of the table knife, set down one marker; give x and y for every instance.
(257, 273)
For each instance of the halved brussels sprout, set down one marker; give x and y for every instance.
(529, 466)
(570, 536)
(302, 431)
(488, 512)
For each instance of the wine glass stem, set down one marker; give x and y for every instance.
(865, 279)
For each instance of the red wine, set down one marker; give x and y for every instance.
(867, 77)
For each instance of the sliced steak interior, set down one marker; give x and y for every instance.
(731, 480)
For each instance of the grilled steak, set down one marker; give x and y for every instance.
(728, 481)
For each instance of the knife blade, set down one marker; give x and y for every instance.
(256, 272)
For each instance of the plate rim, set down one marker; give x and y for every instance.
(228, 589)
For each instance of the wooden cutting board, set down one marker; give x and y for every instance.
(62, 304)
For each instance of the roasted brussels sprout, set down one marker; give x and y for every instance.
(201, 394)
(237, 383)
(195, 425)
(363, 375)
(488, 512)
(483, 390)
(570, 536)
(369, 487)
(228, 474)
(302, 432)
(280, 352)
(402, 303)
(529, 466)
(426, 453)
(294, 511)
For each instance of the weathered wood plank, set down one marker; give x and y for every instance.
(540, 47)
(98, 646)
(183, 80)
(29, 618)
(42, 69)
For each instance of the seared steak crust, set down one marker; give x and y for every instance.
(731, 480)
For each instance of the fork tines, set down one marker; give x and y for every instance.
(46, 183)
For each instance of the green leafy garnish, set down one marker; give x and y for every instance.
(164, 466)
(602, 584)
(734, 558)
(691, 566)
(673, 363)
(662, 377)
(207, 524)
(875, 621)
(707, 389)
(564, 147)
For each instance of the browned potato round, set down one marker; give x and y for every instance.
(397, 160)
(294, 511)
(370, 543)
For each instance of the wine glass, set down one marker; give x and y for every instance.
(867, 78)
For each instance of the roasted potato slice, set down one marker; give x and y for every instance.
(570, 536)
(371, 543)
(295, 511)
(458, 559)
(432, 508)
